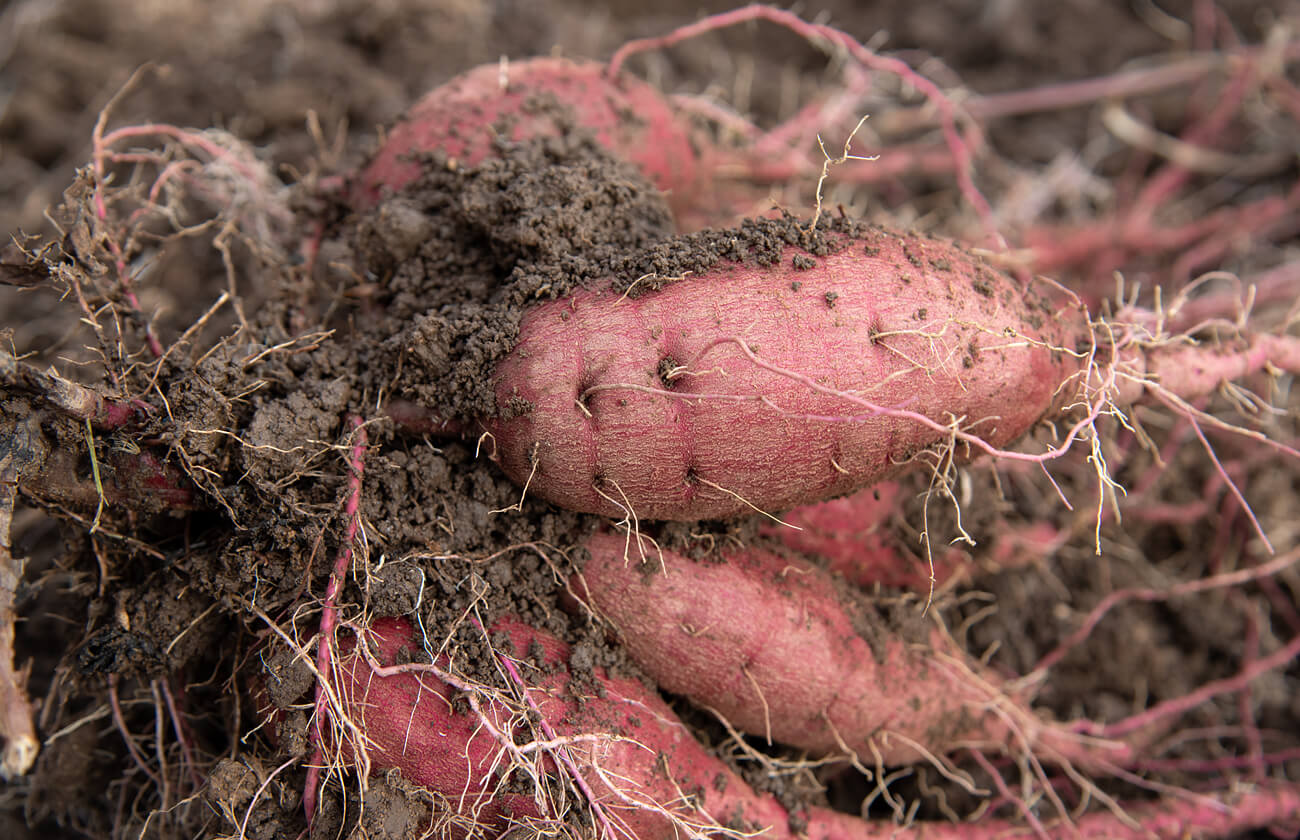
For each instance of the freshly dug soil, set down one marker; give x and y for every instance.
(291, 321)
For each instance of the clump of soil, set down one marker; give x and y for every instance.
(459, 253)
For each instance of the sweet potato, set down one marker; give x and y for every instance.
(769, 643)
(853, 532)
(542, 97)
(642, 775)
(755, 386)
(409, 723)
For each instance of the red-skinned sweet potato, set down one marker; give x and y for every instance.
(649, 778)
(853, 532)
(410, 724)
(651, 405)
(856, 535)
(769, 643)
(753, 386)
(539, 97)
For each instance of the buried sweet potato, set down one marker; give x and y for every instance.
(466, 119)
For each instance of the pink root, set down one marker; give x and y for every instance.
(329, 615)
(959, 146)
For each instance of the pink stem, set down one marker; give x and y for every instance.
(1178, 705)
(329, 615)
(817, 33)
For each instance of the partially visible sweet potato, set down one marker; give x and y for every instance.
(465, 119)
(855, 534)
(769, 643)
(636, 759)
(618, 758)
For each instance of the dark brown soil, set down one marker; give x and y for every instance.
(156, 621)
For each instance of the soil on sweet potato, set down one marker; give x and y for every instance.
(158, 625)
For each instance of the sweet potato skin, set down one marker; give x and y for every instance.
(769, 642)
(594, 424)
(541, 97)
(410, 725)
(854, 534)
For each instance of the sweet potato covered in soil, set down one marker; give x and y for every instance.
(248, 491)
(470, 118)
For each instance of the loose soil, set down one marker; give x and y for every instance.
(153, 616)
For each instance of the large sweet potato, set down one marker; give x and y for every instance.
(770, 643)
(765, 386)
(753, 385)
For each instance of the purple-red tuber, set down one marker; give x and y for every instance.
(466, 119)
(771, 644)
(613, 752)
(762, 387)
